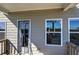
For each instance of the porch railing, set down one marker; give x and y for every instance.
(6, 47)
(72, 49)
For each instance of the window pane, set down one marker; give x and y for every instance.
(23, 32)
(2, 35)
(74, 38)
(74, 25)
(2, 26)
(50, 26)
(54, 38)
(57, 26)
(54, 25)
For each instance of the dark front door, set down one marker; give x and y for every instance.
(23, 35)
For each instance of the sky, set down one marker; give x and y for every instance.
(74, 24)
(2, 25)
(57, 24)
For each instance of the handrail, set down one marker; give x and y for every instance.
(12, 47)
(7, 47)
(72, 49)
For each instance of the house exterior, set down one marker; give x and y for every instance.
(43, 32)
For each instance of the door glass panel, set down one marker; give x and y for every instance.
(24, 32)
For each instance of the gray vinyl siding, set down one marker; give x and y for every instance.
(38, 27)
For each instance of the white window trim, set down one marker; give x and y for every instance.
(54, 32)
(5, 25)
(69, 19)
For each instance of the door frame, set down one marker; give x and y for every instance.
(29, 39)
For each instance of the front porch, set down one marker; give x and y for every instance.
(7, 48)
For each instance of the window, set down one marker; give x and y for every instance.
(2, 26)
(74, 30)
(53, 32)
(2, 30)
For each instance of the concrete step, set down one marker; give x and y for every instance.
(37, 53)
(33, 49)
